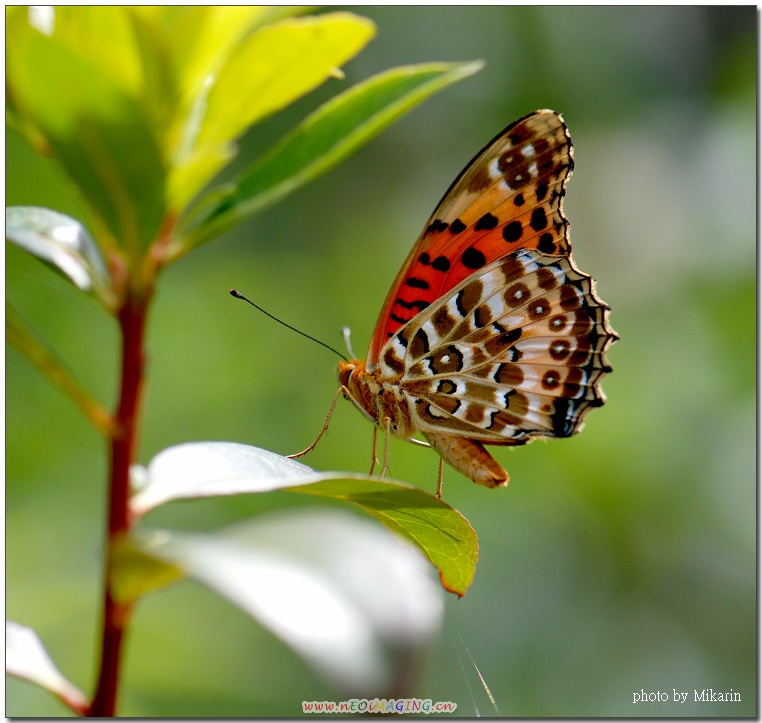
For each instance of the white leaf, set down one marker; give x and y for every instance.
(343, 594)
(25, 657)
(60, 240)
(211, 469)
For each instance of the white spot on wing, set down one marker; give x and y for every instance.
(496, 306)
(527, 259)
(452, 307)
(431, 333)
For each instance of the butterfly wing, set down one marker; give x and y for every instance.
(514, 352)
(508, 198)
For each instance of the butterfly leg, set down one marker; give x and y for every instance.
(439, 479)
(470, 459)
(374, 459)
(388, 430)
(321, 432)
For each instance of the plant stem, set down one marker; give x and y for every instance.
(116, 615)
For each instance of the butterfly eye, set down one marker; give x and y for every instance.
(346, 369)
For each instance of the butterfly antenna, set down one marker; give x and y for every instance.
(239, 295)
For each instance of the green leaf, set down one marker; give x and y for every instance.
(333, 132)
(201, 38)
(137, 572)
(209, 469)
(275, 66)
(269, 70)
(188, 177)
(20, 334)
(198, 41)
(103, 35)
(63, 242)
(444, 536)
(26, 657)
(120, 42)
(96, 129)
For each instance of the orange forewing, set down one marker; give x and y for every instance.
(508, 198)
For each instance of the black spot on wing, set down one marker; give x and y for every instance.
(473, 258)
(486, 223)
(546, 244)
(441, 263)
(512, 231)
(539, 220)
(562, 418)
(418, 304)
(457, 226)
(416, 283)
(437, 226)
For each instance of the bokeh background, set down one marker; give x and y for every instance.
(622, 559)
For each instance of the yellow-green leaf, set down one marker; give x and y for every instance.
(202, 37)
(135, 571)
(97, 130)
(325, 138)
(275, 66)
(439, 531)
(22, 336)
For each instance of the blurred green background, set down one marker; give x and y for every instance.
(622, 559)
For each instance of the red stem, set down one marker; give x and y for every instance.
(116, 615)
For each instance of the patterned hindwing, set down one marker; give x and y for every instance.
(514, 352)
(508, 198)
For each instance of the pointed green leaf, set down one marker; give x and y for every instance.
(275, 66)
(20, 334)
(199, 41)
(336, 130)
(201, 38)
(444, 536)
(269, 70)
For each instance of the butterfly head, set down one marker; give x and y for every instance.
(357, 386)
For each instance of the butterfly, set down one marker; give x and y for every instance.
(489, 335)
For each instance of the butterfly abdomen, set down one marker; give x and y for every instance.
(469, 458)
